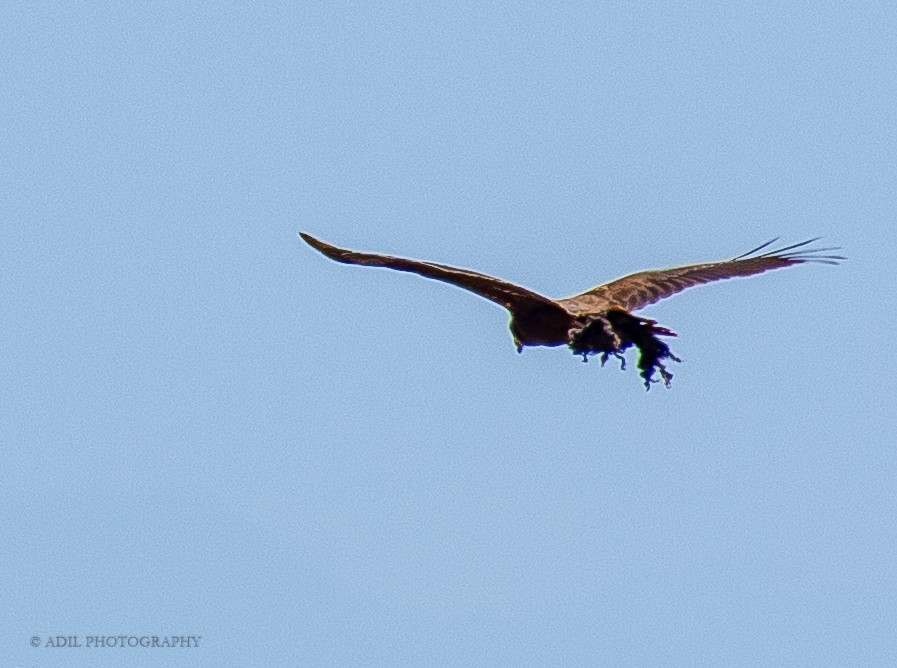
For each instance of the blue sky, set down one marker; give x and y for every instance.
(211, 430)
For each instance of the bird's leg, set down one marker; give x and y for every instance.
(651, 352)
(665, 375)
(606, 356)
(644, 333)
(580, 342)
(616, 341)
(595, 334)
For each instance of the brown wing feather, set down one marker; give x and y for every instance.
(512, 297)
(647, 287)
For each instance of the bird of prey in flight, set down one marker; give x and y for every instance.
(599, 321)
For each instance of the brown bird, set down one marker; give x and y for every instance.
(600, 320)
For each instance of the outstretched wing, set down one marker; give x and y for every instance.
(647, 287)
(512, 297)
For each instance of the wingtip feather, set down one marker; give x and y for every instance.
(790, 253)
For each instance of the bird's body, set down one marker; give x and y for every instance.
(599, 321)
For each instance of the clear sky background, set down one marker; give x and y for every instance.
(208, 429)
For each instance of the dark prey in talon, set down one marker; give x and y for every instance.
(599, 321)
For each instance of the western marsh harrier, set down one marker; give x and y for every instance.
(600, 320)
